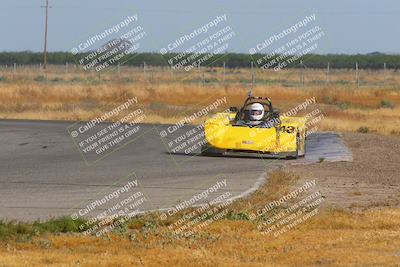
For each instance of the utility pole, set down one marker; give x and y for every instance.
(45, 35)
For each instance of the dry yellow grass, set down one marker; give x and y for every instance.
(166, 98)
(165, 75)
(372, 237)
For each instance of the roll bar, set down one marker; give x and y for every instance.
(255, 99)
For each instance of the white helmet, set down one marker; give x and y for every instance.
(254, 112)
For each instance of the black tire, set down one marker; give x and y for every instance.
(298, 145)
(208, 150)
(295, 155)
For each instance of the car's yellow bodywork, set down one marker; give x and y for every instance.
(286, 137)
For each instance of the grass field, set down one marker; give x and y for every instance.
(372, 236)
(367, 236)
(167, 96)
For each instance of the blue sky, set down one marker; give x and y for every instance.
(350, 26)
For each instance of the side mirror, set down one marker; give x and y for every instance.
(233, 109)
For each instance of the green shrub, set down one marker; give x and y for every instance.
(24, 231)
(76, 79)
(363, 129)
(330, 100)
(387, 104)
(343, 105)
(60, 225)
(237, 216)
(39, 78)
(57, 79)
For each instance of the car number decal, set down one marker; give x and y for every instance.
(288, 129)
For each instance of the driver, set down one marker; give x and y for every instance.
(253, 114)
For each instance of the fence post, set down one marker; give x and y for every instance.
(223, 77)
(202, 76)
(357, 76)
(119, 68)
(15, 69)
(40, 68)
(252, 75)
(384, 73)
(144, 70)
(327, 73)
(301, 73)
(66, 67)
(198, 71)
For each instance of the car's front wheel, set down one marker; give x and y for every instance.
(209, 150)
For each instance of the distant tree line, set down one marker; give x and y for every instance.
(231, 60)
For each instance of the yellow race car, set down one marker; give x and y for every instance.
(254, 128)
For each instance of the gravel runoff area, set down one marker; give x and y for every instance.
(372, 179)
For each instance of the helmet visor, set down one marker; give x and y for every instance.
(255, 112)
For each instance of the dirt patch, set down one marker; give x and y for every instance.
(371, 180)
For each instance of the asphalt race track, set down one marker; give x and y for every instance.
(43, 174)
